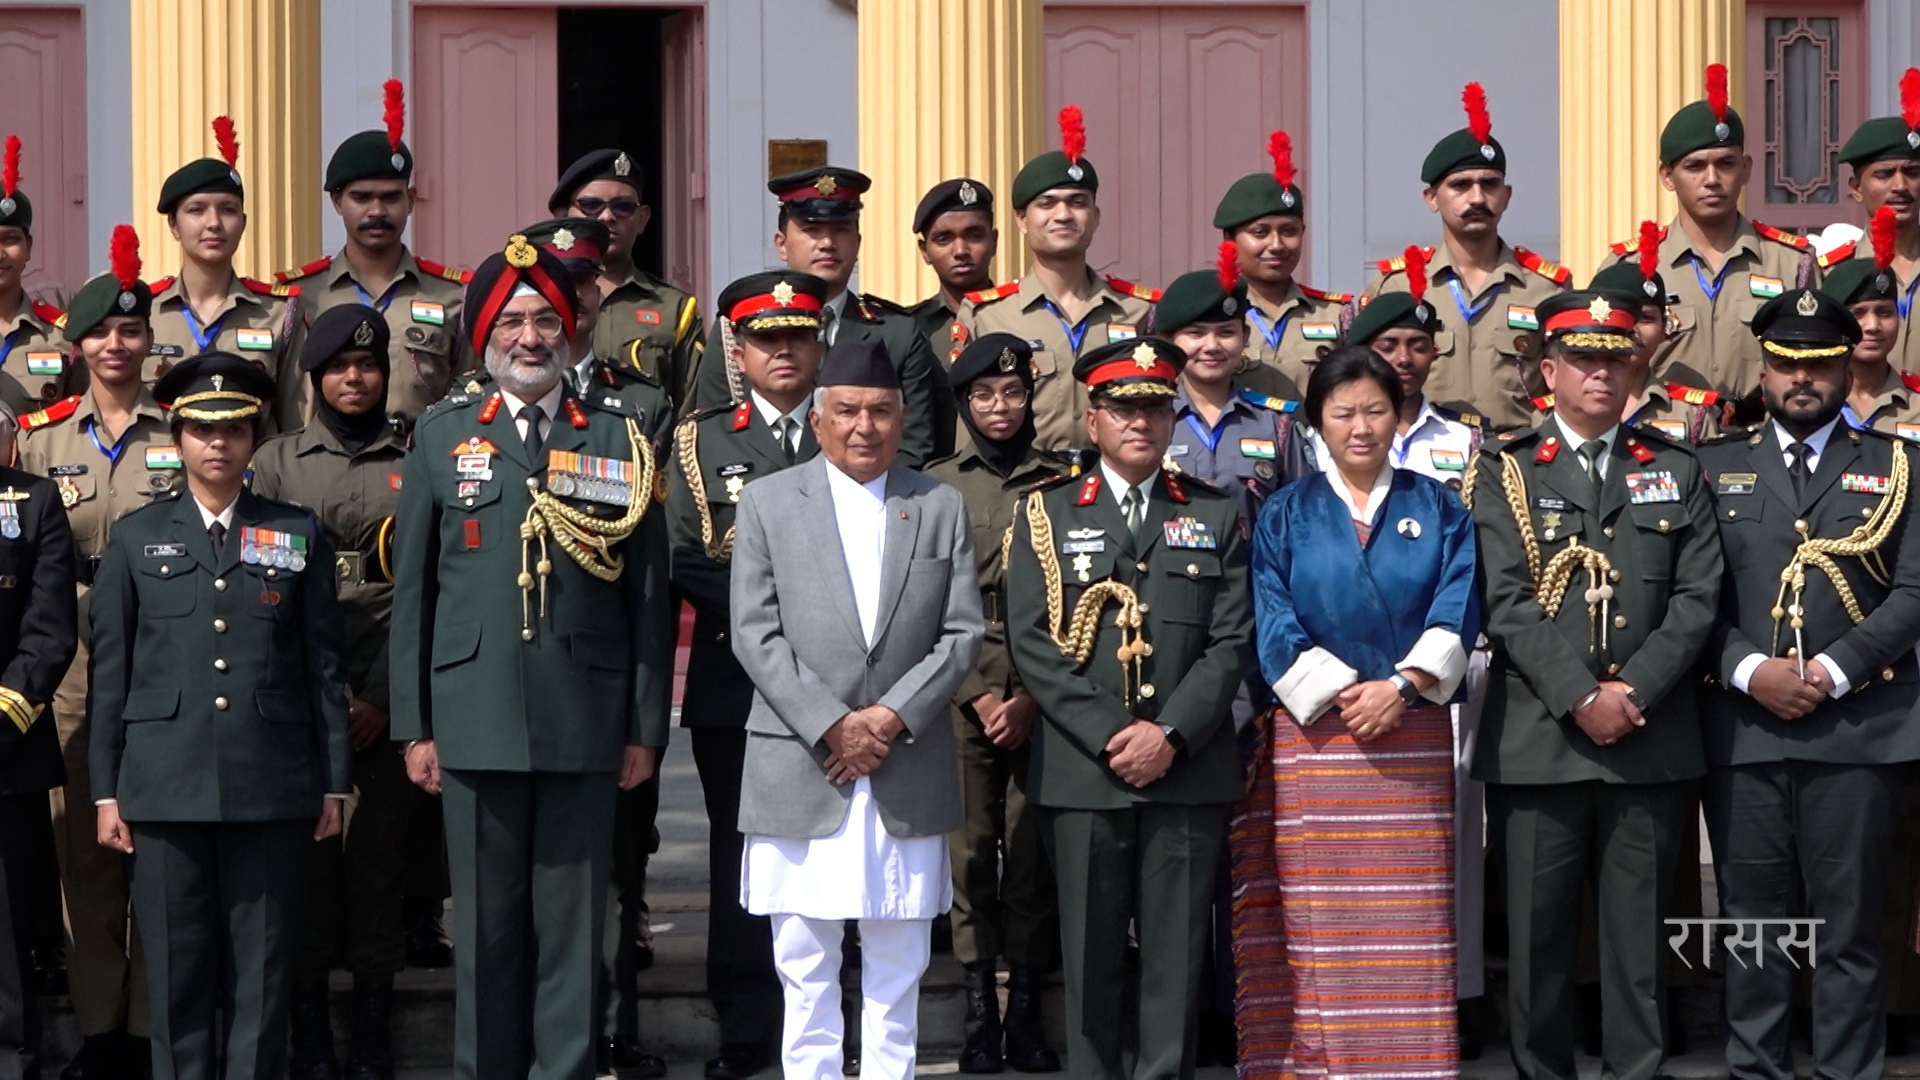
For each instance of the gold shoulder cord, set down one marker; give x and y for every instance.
(588, 540)
(1466, 485)
(1863, 543)
(1551, 582)
(687, 442)
(1084, 627)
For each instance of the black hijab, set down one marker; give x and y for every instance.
(348, 328)
(996, 354)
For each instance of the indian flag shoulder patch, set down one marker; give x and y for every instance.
(254, 340)
(163, 457)
(1521, 318)
(1765, 287)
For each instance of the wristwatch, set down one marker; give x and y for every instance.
(1174, 738)
(1409, 693)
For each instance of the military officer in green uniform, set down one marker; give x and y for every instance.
(1884, 159)
(1720, 265)
(531, 666)
(370, 181)
(645, 323)
(958, 239)
(1488, 357)
(1003, 891)
(346, 465)
(109, 452)
(208, 305)
(1602, 572)
(1290, 326)
(819, 234)
(1063, 309)
(219, 731)
(773, 325)
(1809, 722)
(34, 369)
(1134, 763)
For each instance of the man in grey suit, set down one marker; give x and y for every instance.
(856, 614)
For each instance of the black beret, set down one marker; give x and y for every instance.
(1803, 324)
(773, 300)
(368, 155)
(501, 273)
(858, 362)
(215, 386)
(1198, 297)
(992, 354)
(961, 194)
(339, 329)
(598, 165)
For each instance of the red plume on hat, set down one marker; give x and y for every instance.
(229, 145)
(1649, 249)
(1882, 230)
(123, 257)
(1479, 121)
(10, 175)
(1415, 258)
(1229, 265)
(1073, 133)
(1717, 91)
(396, 111)
(1910, 98)
(1280, 148)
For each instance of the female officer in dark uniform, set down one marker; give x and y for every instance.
(219, 727)
(345, 465)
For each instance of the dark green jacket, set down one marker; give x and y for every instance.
(1199, 622)
(598, 671)
(217, 687)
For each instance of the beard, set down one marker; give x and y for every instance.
(513, 373)
(1803, 412)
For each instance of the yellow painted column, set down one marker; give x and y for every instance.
(1625, 67)
(947, 88)
(257, 61)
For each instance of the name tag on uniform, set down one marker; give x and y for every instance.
(1652, 487)
(474, 466)
(1189, 532)
(1077, 547)
(1521, 318)
(426, 311)
(1865, 484)
(49, 362)
(1319, 331)
(1120, 332)
(254, 340)
(1735, 483)
(166, 551)
(1546, 503)
(163, 457)
(1765, 287)
(1447, 460)
(1256, 448)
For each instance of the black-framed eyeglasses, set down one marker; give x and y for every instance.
(622, 208)
(1012, 397)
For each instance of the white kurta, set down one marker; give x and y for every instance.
(861, 871)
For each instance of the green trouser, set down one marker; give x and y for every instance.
(1003, 893)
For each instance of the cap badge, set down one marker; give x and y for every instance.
(1230, 306)
(1421, 312)
(1721, 131)
(1144, 356)
(968, 193)
(520, 254)
(8, 206)
(1807, 305)
(1487, 151)
(783, 294)
(1652, 289)
(127, 300)
(1075, 172)
(826, 185)
(399, 161)
(1286, 198)
(622, 164)
(1913, 139)
(363, 334)
(1007, 360)
(234, 175)
(563, 239)
(1600, 310)
(1883, 282)
(218, 381)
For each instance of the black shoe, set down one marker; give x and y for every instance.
(99, 1059)
(370, 1049)
(737, 1061)
(310, 1056)
(1586, 1017)
(136, 1057)
(628, 1062)
(1899, 1035)
(427, 943)
(1027, 1048)
(850, 1066)
(980, 1053)
(943, 937)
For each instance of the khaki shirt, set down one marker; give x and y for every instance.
(653, 328)
(354, 496)
(58, 443)
(1896, 408)
(1284, 343)
(1708, 341)
(422, 307)
(41, 368)
(1119, 310)
(258, 322)
(1488, 364)
(1684, 414)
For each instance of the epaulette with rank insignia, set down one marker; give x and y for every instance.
(52, 414)
(1543, 266)
(1692, 395)
(312, 268)
(742, 416)
(1543, 403)
(992, 293)
(1911, 380)
(46, 312)
(1838, 255)
(1514, 440)
(1398, 262)
(441, 270)
(1472, 420)
(1782, 236)
(1322, 294)
(160, 285)
(1629, 247)
(1268, 401)
(875, 306)
(451, 403)
(1138, 292)
(261, 288)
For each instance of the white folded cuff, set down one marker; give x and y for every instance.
(1310, 684)
(1441, 654)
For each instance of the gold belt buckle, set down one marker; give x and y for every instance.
(349, 568)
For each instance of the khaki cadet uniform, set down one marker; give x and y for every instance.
(1283, 344)
(653, 328)
(1684, 414)
(422, 307)
(1708, 343)
(1119, 310)
(37, 371)
(109, 989)
(1487, 362)
(259, 323)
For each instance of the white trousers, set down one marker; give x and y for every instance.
(1469, 836)
(893, 956)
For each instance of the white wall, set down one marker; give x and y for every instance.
(363, 43)
(1893, 46)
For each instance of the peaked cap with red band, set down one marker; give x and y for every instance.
(1584, 321)
(1142, 367)
(495, 280)
(774, 300)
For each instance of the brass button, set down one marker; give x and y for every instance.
(1619, 622)
(1613, 575)
(1192, 570)
(1800, 526)
(469, 502)
(1140, 566)
(1548, 535)
(220, 663)
(1663, 525)
(1146, 690)
(1607, 531)
(272, 573)
(1886, 674)
(220, 703)
(165, 570)
(1733, 513)
(219, 626)
(1143, 609)
(220, 584)
(1613, 669)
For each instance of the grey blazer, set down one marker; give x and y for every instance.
(797, 634)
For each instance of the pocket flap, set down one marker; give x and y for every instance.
(1660, 517)
(154, 703)
(455, 643)
(1193, 565)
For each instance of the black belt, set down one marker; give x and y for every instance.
(357, 568)
(86, 568)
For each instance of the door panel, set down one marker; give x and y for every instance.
(43, 81)
(1107, 62)
(683, 183)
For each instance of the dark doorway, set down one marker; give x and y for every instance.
(610, 95)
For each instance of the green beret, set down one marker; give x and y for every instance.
(1625, 277)
(1388, 311)
(1255, 196)
(368, 155)
(1052, 170)
(101, 296)
(206, 174)
(1858, 280)
(1198, 298)
(17, 210)
(1695, 128)
(1459, 152)
(1880, 139)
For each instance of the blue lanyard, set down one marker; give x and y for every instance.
(1852, 418)
(1271, 331)
(1712, 289)
(1901, 299)
(1468, 311)
(1075, 334)
(203, 340)
(119, 446)
(6, 345)
(1211, 438)
(382, 304)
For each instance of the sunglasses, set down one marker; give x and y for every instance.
(622, 208)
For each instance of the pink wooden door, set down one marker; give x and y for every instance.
(1179, 102)
(43, 81)
(1806, 90)
(485, 92)
(683, 186)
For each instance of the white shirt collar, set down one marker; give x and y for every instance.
(844, 486)
(1426, 415)
(1816, 442)
(838, 305)
(771, 414)
(584, 369)
(1376, 495)
(549, 404)
(208, 517)
(1118, 485)
(1575, 442)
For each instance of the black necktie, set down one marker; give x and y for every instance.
(533, 440)
(217, 533)
(784, 432)
(1797, 469)
(1592, 452)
